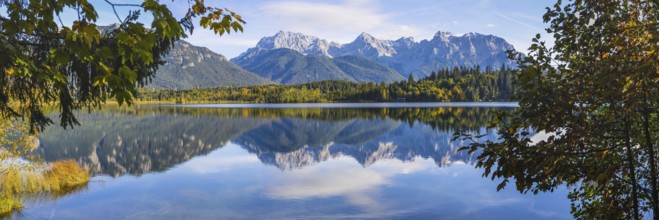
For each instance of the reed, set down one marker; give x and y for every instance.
(66, 175)
(23, 176)
(20, 181)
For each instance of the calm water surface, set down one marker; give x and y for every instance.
(373, 161)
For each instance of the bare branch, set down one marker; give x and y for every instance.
(115, 11)
(115, 5)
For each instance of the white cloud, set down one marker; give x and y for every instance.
(337, 21)
(518, 21)
(345, 178)
(337, 183)
(490, 25)
(346, 16)
(207, 38)
(531, 18)
(219, 164)
(220, 161)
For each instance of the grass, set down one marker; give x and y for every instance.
(22, 176)
(65, 176)
(15, 181)
(8, 205)
(58, 179)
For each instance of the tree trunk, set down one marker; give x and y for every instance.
(632, 170)
(653, 165)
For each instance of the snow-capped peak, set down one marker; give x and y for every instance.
(365, 37)
(405, 55)
(404, 43)
(443, 35)
(370, 46)
(296, 41)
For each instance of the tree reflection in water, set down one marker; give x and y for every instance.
(145, 139)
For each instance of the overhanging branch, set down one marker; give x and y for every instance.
(115, 5)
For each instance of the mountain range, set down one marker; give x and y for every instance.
(292, 58)
(288, 66)
(405, 55)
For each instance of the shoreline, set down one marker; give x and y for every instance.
(344, 105)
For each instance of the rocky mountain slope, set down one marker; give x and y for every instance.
(405, 55)
(289, 66)
(190, 66)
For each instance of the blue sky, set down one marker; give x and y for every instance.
(342, 20)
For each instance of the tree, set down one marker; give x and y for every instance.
(410, 79)
(80, 65)
(594, 95)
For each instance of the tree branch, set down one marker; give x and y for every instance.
(115, 5)
(115, 11)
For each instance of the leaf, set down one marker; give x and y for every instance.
(105, 68)
(236, 26)
(205, 22)
(502, 185)
(60, 57)
(9, 71)
(100, 81)
(128, 74)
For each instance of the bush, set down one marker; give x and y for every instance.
(66, 175)
(21, 175)
(60, 178)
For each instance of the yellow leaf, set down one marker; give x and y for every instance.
(605, 55)
(9, 71)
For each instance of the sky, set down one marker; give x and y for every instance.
(342, 21)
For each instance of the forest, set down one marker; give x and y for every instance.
(460, 84)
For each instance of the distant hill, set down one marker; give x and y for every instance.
(288, 66)
(405, 55)
(190, 66)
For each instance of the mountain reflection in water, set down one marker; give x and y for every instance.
(170, 162)
(147, 139)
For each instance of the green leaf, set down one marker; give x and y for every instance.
(128, 74)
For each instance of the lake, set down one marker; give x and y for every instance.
(313, 161)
